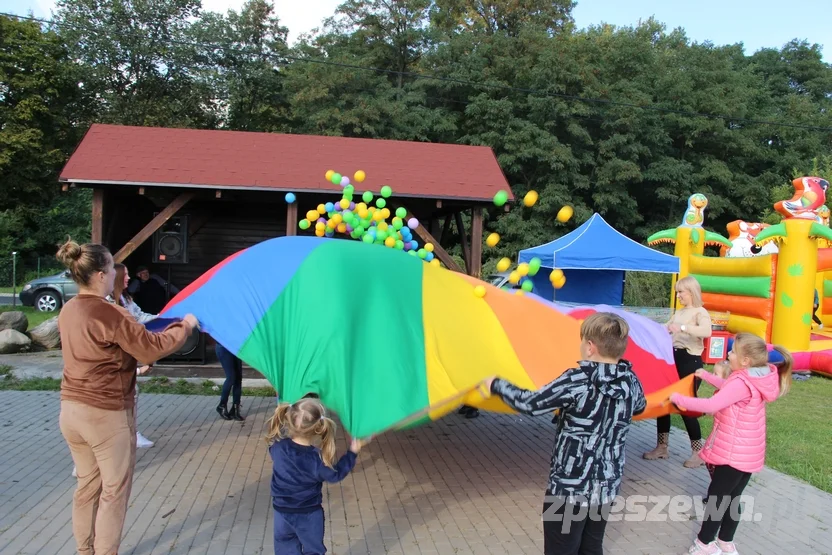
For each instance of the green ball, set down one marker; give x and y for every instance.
(422, 253)
(527, 286)
(399, 244)
(381, 235)
(534, 266)
(336, 178)
(381, 203)
(367, 238)
(304, 224)
(386, 191)
(398, 224)
(401, 212)
(412, 253)
(500, 198)
(367, 197)
(349, 189)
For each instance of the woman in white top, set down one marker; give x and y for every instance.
(126, 301)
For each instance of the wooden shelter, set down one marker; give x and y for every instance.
(225, 190)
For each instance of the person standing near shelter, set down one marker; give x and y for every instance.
(688, 327)
(101, 343)
(150, 291)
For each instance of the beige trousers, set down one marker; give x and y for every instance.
(103, 447)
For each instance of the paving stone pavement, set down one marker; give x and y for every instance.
(456, 486)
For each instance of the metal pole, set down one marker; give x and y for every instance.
(14, 279)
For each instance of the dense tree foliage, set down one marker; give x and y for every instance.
(628, 122)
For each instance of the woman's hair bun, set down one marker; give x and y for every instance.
(69, 252)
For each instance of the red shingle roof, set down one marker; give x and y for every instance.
(151, 156)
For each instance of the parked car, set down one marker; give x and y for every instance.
(500, 279)
(48, 294)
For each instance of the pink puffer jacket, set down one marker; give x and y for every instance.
(738, 438)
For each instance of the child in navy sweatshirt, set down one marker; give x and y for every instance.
(299, 470)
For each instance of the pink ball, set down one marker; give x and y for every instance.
(412, 223)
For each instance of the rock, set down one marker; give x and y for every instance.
(46, 335)
(12, 341)
(14, 320)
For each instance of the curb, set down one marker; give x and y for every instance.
(247, 382)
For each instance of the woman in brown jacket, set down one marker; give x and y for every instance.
(101, 342)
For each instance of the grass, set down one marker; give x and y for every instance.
(35, 317)
(799, 429)
(156, 384)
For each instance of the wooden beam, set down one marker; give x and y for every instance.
(438, 251)
(292, 218)
(148, 230)
(476, 242)
(463, 238)
(197, 223)
(97, 215)
(446, 228)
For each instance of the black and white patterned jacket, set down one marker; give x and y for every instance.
(597, 402)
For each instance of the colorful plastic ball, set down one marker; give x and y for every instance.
(321, 208)
(385, 212)
(534, 266)
(359, 176)
(429, 256)
(349, 189)
(312, 215)
(386, 191)
(367, 197)
(337, 219)
(344, 204)
(329, 208)
(399, 244)
(390, 242)
(344, 181)
(336, 178)
(320, 225)
(412, 253)
(435, 262)
(530, 198)
(523, 269)
(290, 198)
(479, 291)
(412, 223)
(368, 238)
(429, 247)
(500, 198)
(414, 245)
(514, 278)
(304, 224)
(342, 227)
(557, 284)
(381, 203)
(422, 253)
(556, 275)
(401, 212)
(503, 264)
(329, 174)
(519, 292)
(527, 286)
(397, 223)
(319, 232)
(492, 240)
(565, 213)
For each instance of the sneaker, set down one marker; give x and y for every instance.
(142, 442)
(699, 548)
(727, 547)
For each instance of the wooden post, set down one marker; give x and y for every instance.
(151, 228)
(97, 215)
(463, 239)
(445, 228)
(438, 251)
(476, 242)
(292, 218)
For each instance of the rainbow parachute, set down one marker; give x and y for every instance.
(389, 341)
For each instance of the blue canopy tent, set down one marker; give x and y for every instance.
(594, 258)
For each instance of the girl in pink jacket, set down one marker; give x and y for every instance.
(737, 445)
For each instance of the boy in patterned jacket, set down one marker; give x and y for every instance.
(596, 403)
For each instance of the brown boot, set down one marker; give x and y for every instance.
(660, 452)
(695, 461)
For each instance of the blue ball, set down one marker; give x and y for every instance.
(329, 207)
(429, 256)
(290, 198)
(414, 245)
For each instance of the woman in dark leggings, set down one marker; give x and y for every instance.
(233, 368)
(689, 327)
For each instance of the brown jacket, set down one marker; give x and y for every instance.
(101, 343)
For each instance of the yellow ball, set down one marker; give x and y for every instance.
(557, 284)
(337, 219)
(321, 209)
(382, 226)
(359, 176)
(342, 227)
(479, 291)
(523, 269)
(434, 262)
(320, 226)
(565, 213)
(514, 277)
(556, 275)
(492, 240)
(429, 247)
(530, 198)
(329, 175)
(390, 242)
(385, 212)
(344, 204)
(312, 215)
(319, 232)
(378, 215)
(503, 264)
(519, 292)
